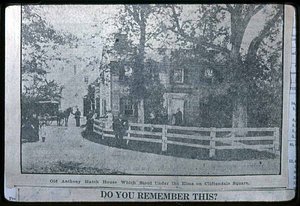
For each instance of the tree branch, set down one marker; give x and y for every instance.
(255, 43)
(229, 8)
(252, 11)
(193, 39)
(132, 13)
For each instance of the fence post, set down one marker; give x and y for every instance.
(128, 134)
(233, 140)
(164, 138)
(97, 131)
(94, 127)
(276, 148)
(100, 125)
(212, 149)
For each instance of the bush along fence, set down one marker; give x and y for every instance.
(212, 139)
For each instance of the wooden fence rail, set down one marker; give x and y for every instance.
(261, 139)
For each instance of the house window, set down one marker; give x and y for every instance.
(128, 71)
(125, 72)
(127, 107)
(121, 73)
(178, 76)
(208, 76)
(86, 80)
(208, 73)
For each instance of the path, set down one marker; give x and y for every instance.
(65, 150)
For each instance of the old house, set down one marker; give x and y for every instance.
(114, 93)
(189, 81)
(187, 87)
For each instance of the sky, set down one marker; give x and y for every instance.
(93, 23)
(85, 21)
(81, 20)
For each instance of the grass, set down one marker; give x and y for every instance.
(68, 167)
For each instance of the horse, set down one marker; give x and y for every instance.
(64, 115)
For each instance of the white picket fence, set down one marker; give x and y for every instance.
(261, 139)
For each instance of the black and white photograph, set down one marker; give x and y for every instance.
(152, 89)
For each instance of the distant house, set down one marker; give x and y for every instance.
(91, 99)
(75, 89)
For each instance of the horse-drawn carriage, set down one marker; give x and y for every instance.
(47, 111)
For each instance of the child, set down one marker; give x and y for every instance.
(43, 131)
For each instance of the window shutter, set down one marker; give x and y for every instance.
(135, 110)
(172, 76)
(184, 111)
(104, 107)
(121, 73)
(122, 109)
(186, 76)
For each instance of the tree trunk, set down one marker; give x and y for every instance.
(239, 114)
(141, 59)
(141, 115)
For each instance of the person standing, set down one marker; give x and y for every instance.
(90, 121)
(120, 126)
(35, 124)
(178, 117)
(153, 120)
(43, 131)
(77, 117)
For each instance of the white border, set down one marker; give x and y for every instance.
(28, 183)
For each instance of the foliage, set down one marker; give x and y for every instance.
(218, 112)
(41, 89)
(40, 42)
(138, 23)
(245, 67)
(154, 89)
(137, 26)
(90, 97)
(249, 71)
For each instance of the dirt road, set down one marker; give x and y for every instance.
(66, 151)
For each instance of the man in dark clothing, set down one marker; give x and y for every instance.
(90, 121)
(77, 117)
(120, 126)
(162, 117)
(31, 128)
(35, 123)
(178, 117)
